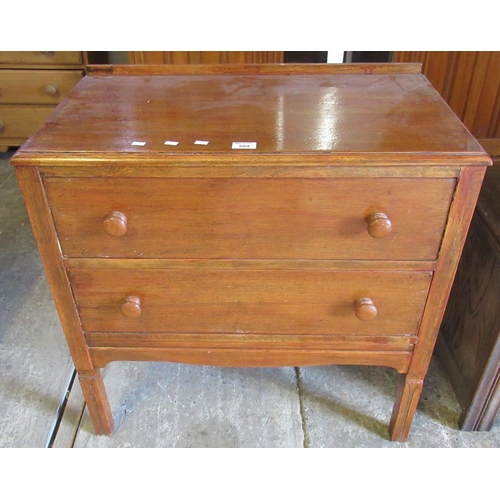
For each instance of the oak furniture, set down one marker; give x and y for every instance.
(252, 215)
(32, 84)
(469, 340)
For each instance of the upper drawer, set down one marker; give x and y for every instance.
(51, 57)
(249, 218)
(36, 86)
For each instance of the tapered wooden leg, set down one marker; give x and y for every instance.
(404, 408)
(97, 401)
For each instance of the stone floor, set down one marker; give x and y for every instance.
(169, 405)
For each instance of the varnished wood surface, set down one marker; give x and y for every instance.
(306, 113)
(259, 341)
(251, 69)
(219, 166)
(332, 265)
(250, 218)
(407, 397)
(242, 357)
(461, 212)
(469, 82)
(249, 301)
(205, 57)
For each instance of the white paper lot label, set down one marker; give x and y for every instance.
(244, 145)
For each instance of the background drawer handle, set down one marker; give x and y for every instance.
(1, 125)
(131, 307)
(115, 224)
(365, 309)
(51, 89)
(379, 225)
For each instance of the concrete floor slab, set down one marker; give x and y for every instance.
(184, 406)
(350, 407)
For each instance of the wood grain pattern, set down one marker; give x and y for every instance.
(252, 69)
(249, 301)
(256, 341)
(470, 82)
(407, 397)
(101, 356)
(223, 109)
(205, 57)
(250, 218)
(219, 166)
(461, 212)
(97, 401)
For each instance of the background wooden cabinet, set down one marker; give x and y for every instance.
(32, 84)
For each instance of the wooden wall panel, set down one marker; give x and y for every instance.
(470, 83)
(205, 57)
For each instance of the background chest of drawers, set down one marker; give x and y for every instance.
(253, 215)
(32, 84)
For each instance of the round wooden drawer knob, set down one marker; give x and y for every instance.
(51, 89)
(131, 307)
(115, 224)
(379, 225)
(365, 309)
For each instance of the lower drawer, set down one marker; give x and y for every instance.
(249, 301)
(19, 122)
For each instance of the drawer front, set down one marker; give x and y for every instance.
(54, 57)
(36, 86)
(248, 301)
(249, 218)
(19, 122)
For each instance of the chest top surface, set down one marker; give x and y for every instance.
(328, 110)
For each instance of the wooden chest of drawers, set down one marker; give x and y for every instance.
(32, 84)
(253, 215)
